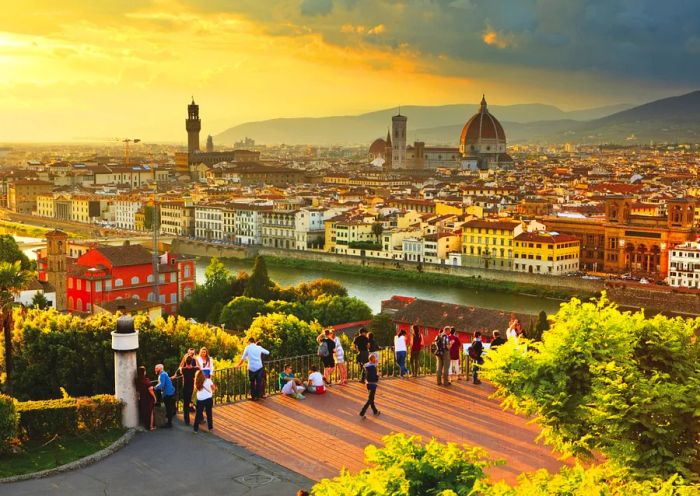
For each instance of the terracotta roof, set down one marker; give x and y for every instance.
(464, 318)
(482, 125)
(542, 237)
(497, 224)
(125, 255)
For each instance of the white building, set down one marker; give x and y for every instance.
(208, 222)
(278, 229)
(684, 266)
(124, 211)
(248, 222)
(309, 228)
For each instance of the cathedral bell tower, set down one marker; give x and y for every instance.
(193, 125)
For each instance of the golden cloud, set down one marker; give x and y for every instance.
(499, 40)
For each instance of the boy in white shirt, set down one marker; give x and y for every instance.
(316, 383)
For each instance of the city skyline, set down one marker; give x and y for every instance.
(84, 71)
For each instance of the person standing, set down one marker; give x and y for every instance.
(188, 371)
(340, 364)
(498, 340)
(361, 345)
(166, 388)
(253, 353)
(372, 383)
(442, 352)
(373, 346)
(416, 347)
(326, 349)
(205, 363)
(455, 348)
(400, 350)
(147, 398)
(477, 349)
(205, 400)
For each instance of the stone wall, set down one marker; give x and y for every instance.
(204, 249)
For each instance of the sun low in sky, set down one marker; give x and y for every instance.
(86, 70)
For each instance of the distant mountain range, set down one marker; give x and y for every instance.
(675, 119)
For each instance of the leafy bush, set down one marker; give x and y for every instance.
(9, 422)
(284, 335)
(407, 467)
(47, 418)
(240, 312)
(598, 480)
(610, 381)
(52, 350)
(100, 412)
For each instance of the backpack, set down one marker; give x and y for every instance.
(438, 346)
(323, 349)
(472, 352)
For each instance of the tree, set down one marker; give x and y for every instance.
(10, 252)
(207, 300)
(216, 276)
(332, 310)
(383, 328)
(314, 289)
(12, 279)
(240, 312)
(39, 301)
(148, 217)
(259, 285)
(613, 382)
(377, 230)
(284, 335)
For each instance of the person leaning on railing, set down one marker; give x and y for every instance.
(256, 372)
(416, 347)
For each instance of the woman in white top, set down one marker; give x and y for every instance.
(205, 362)
(401, 349)
(205, 399)
(340, 364)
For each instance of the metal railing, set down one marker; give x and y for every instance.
(232, 384)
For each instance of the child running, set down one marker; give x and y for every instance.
(372, 382)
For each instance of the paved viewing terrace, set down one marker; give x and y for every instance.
(318, 436)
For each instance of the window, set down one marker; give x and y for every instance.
(79, 284)
(135, 280)
(98, 285)
(108, 285)
(118, 283)
(149, 278)
(187, 271)
(173, 297)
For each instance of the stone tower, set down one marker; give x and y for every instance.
(387, 151)
(193, 125)
(398, 138)
(210, 144)
(56, 242)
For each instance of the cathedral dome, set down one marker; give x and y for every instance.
(482, 133)
(378, 148)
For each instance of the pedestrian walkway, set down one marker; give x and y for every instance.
(318, 436)
(168, 462)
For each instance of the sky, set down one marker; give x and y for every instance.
(110, 69)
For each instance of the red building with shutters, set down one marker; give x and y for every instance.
(108, 273)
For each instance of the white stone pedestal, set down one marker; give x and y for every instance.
(125, 346)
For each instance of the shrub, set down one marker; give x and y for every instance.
(9, 422)
(47, 418)
(284, 335)
(608, 381)
(406, 466)
(100, 412)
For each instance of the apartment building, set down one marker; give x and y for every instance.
(209, 222)
(488, 244)
(278, 229)
(684, 266)
(124, 212)
(546, 253)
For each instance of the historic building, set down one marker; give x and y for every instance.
(56, 269)
(482, 143)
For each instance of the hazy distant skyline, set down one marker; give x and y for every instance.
(75, 69)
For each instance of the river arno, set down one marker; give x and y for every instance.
(373, 290)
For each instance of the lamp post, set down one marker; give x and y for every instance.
(125, 342)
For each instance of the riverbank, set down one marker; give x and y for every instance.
(8, 227)
(449, 280)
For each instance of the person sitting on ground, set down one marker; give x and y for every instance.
(498, 340)
(290, 385)
(316, 384)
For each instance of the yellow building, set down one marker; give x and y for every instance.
(488, 244)
(46, 206)
(140, 220)
(341, 232)
(546, 253)
(448, 208)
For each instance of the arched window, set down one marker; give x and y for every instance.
(149, 278)
(70, 302)
(79, 305)
(135, 297)
(135, 280)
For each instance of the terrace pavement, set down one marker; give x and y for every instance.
(318, 436)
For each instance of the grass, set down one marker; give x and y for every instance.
(42, 455)
(449, 280)
(23, 229)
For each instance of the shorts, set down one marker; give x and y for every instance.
(317, 389)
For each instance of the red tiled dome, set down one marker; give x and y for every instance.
(378, 147)
(482, 125)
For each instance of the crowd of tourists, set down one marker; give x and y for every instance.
(196, 371)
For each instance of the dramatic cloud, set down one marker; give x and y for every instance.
(73, 67)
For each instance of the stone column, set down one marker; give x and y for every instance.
(125, 342)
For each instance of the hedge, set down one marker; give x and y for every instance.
(9, 421)
(68, 416)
